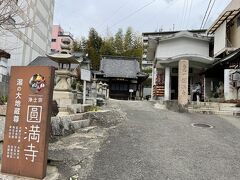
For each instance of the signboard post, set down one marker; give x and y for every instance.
(84, 92)
(85, 76)
(131, 91)
(27, 124)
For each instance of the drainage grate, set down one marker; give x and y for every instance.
(201, 125)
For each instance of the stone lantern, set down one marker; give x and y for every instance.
(100, 87)
(62, 91)
(105, 90)
(235, 77)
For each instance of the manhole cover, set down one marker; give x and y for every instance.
(201, 125)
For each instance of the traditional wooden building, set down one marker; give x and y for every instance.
(223, 77)
(123, 76)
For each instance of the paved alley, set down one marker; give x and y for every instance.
(154, 144)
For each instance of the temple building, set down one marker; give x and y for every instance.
(167, 50)
(123, 76)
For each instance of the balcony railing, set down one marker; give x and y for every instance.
(63, 33)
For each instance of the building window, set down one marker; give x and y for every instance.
(238, 21)
(54, 40)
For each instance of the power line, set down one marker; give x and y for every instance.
(190, 10)
(184, 5)
(162, 9)
(209, 13)
(113, 15)
(133, 13)
(205, 14)
(185, 13)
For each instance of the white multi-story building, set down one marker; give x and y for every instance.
(33, 38)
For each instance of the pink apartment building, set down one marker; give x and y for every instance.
(61, 41)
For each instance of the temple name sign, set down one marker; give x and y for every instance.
(85, 75)
(183, 72)
(25, 146)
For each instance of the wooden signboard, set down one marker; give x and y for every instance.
(27, 124)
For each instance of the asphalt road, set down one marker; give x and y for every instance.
(155, 144)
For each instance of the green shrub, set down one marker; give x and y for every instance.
(147, 83)
(148, 71)
(93, 108)
(3, 100)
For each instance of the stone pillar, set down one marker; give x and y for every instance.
(107, 95)
(183, 69)
(167, 88)
(153, 81)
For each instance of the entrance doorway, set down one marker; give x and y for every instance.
(174, 87)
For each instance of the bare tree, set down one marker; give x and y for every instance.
(12, 15)
(13, 18)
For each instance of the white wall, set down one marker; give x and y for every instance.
(182, 45)
(146, 91)
(220, 39)
(235, 33)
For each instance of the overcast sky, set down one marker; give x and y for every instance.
(78, 16)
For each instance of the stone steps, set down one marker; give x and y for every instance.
(217, 112)
(65, 125)
(214, 108)
(213, 105)
(203, 108)
(87, 129)
(81, 124)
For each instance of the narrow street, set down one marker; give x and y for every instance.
(154, 144)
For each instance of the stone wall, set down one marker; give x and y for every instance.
(4, 89)
(3, 109)
(66, 125)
